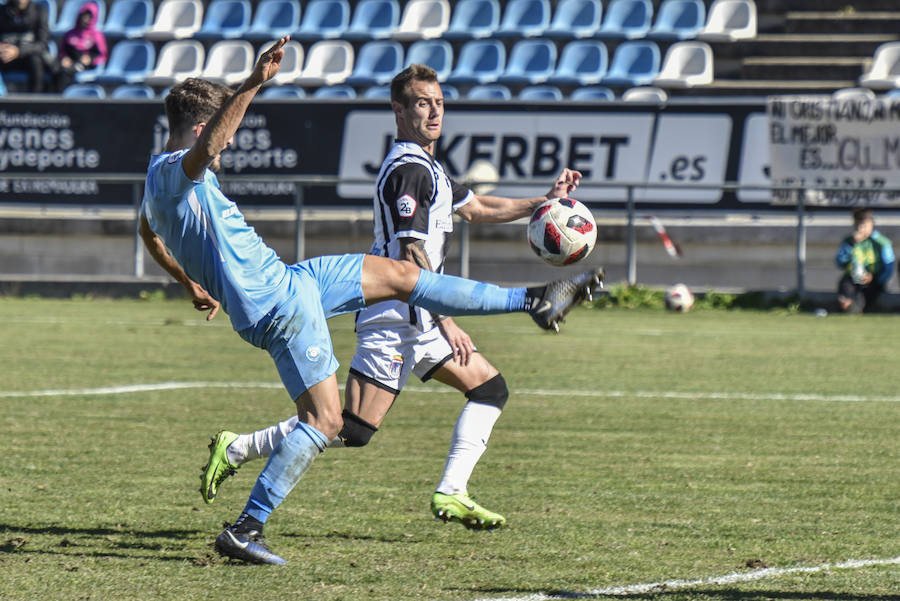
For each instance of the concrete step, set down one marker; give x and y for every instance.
(764, 87)
(803, 68)
(782, 6)
(843, 22)
(836, 45)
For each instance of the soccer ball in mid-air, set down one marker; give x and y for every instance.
(679, 298)
(562, 231)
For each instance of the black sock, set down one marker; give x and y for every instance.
(247, 523)
(533, 296)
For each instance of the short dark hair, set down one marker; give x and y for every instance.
(862, 215)
(401, 81)
(194, 101)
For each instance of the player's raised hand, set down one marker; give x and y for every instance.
(565, 183)
(269, 62)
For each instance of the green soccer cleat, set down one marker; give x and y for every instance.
(218, 468)
(461, 508)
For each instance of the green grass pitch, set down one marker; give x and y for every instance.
(638, 448)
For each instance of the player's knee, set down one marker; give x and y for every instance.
(356, 431)
(493, 392)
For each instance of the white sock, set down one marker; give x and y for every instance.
(260, 443)
(469, 441)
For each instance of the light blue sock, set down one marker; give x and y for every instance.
(286, 465)
(451, 295)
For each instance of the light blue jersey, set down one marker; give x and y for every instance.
(208, 236)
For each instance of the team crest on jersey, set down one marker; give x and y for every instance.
(396, 365)
(313, 353)
(406, 206)
(175, 156)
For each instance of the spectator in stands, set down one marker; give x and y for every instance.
(83, 47)
(867, 260)
(24, 32)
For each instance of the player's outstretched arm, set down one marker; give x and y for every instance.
(500, 209)
(218, 132)
(157, 249)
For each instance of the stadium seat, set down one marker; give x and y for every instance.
(540, 93)
(582, 62)
(423, 19)
(84, 90)
(324, 20)
(575, 19)
(177, 60)
(274, 19)
(678, 20)
(133, 90)
(645, 94)
(894, 93)
(339, 92)
(328, 62)
(68, 13)
(130, 61)
(626, 20)
(3, 90)
(530, 61)
(437, 54)
(376, 63)
(291, 62)
(225, 20)
(592, 94)
(854, 93)
(229, 62)
(51, 8)
(450, 92)
(480, 61)
(378, 93)
(524, 19)
(687, 64)
(285, 92)
(491, 91)
(176, 20)
(373, 20)
(634, 63)
(884, 72)
(730, 20)
(473, 19)
(128, 19)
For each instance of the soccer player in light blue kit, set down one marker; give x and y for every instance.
(201, 239)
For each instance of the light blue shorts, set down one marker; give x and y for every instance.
(296, 332)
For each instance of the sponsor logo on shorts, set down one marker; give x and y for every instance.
(396, 365)
(313, 353)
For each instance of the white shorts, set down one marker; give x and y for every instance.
(386, 356)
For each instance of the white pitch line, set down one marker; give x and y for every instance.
(599, 393)
(734, 577)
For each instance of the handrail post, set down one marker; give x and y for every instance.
(464, 248)
(801, 244)
(138, 246)
(630, 251)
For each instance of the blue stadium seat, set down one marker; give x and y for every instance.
(133, 90)
(128, 19)
(678, 20)
(473, 19)
(524, 19)
(130, 61)
(338, 92)
(50, 7)
(582, 63)
(626, 19)
(530, 61)
(437, 54)
(69, 12)
(324, 20)
(376, 63)
(480, 61)
(490, 91)
(84, 90)
(286, 91)
(540, 93)
(225, 20)
(378, 93)
(634, 63)
(592, 93)
(450, 92)
(2, 87)
(373, 20)
(575, 19)
(274, 19)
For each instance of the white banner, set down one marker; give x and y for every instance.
(850, 145)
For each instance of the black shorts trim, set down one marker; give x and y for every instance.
(374, 382)
(430, 373)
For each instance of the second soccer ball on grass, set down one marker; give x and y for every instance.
(679, 298)
(562, 231)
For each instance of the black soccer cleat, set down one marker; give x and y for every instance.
(548, 305)
(249, 546)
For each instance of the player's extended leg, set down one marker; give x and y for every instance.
(487, 393)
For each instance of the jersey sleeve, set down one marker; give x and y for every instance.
(461, 194)
(409, 194)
